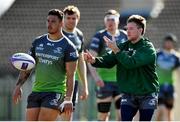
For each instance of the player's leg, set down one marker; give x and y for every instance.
(103, 106)
(169, 108)
(166, 103)
(32, 114)
(147, 105)
(128, 107)
(169, 102)
(146, 114)
(33, 107)
(49, 110)
(161, 113)
(64, 117)
(117, 102)
(48, 114)
(104, 98)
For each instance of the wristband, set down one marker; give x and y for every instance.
(62, 105)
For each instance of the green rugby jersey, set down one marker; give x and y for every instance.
(99, 46)
(167, 62)
(51, 56)
(77, 38)
(136, 67)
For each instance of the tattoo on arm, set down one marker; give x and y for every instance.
(23, 76)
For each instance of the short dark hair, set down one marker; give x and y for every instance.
(112, 12)
(71, 9)
(139, 20)
(170, 37)
(56, 12)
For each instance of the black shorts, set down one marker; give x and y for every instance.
(166, 94)
(45, 99)
(75, 94)
(149, 101)
(109, 89)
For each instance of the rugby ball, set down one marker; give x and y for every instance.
(22, 61)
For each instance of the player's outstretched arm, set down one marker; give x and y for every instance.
(23, 76)
(93, 71)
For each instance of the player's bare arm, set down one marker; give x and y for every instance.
(93, 71)
(70, 72)
(23, 76)
(82, 71)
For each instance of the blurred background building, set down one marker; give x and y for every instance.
(22, 20)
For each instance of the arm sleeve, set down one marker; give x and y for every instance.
(81, 36)
(71, 53)
(143, 56)
(82, 45)
(177, 62)
(106, 61)
(32, 50)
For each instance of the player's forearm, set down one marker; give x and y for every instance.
(70, 73)
(23, 76)
(70, 87)
(82, 72)
(93, 72)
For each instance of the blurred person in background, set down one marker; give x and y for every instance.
(56, 59)
(107, 90)
(167, 62)
(70, 30)
(136, 70)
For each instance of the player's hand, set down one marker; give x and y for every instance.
(100, 83)
(84, 94)
(66, 107)
(111, 44)
(88, 57)
(17, 93)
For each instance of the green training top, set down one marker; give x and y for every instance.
(167, 62)
(51, 57)
(136, 67)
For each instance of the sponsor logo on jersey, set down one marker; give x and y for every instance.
(50, 44)
(73, 54)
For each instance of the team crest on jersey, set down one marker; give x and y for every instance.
(152, 102)
(58, 50)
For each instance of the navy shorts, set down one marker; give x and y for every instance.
(45, 99)
(149, 101)
(166, 94)
(75, 94)
(109, 89)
